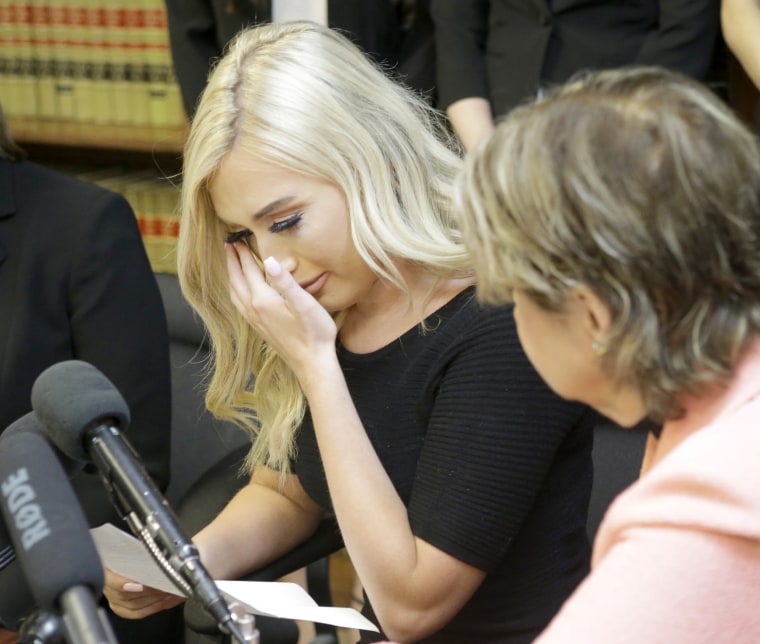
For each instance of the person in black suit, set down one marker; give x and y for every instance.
(493, 54)
(75, 283)
(398, 33)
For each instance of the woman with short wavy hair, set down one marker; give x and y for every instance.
(621, 214)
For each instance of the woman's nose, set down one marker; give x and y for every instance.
(281, 252)
(288, 263)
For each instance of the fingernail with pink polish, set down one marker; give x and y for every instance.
(132, 587)
(273, 266)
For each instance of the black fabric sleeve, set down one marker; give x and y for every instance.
(192, 39)
(199, 30)
(461, 33)
(117, 320)
(493, 436)
(685, 38)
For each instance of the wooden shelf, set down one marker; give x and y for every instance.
(92, 135)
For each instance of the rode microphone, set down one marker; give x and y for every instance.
(7, 553)
(51, 537)
(38, 626)
(29, 423)
(83, 413)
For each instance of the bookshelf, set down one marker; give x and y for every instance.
(88, 61)
(71, 134)
(61, 142)
(88, 87)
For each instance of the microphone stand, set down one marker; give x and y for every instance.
(172, 570)
(41, 627)
(81, 621)
(246, 622)
(183, 567)
(84, 620)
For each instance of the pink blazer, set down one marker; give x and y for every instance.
(677, 557)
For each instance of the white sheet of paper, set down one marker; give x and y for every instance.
(285, 599)
(128, 556)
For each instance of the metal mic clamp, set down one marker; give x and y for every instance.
(246, 622)
(235, 631)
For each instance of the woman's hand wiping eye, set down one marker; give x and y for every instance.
(285, 315)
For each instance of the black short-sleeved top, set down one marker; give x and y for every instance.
(494, 468)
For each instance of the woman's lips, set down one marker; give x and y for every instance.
(314, 286)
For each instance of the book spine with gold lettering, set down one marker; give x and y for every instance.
(7, 86)
(63, 80)
(164, 98)
(18, 95)
(77, 44)
(43, 59)
(97, 68)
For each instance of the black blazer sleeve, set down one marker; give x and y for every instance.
(685, 37)
(198, 32)
(118, 324)
(461, 33)
(75, 283)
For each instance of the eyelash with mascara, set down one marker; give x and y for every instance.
(237, 236)
(276, 227)
(279, 226)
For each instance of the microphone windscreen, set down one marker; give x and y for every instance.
(69, 398)
(45, 521)
(7, 553)
(29, 423)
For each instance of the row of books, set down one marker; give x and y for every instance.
(155, 200)
(93, 61)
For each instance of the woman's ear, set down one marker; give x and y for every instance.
(595, 314)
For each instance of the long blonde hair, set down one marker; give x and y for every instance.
(643, 186)
(303, 98)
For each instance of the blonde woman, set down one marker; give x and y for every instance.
(621, 215)
(319, 245)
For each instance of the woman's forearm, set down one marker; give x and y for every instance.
(740, 20)
(259, 524)
(472, 120)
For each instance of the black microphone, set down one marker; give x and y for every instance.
(51, 537)
(7, 553)
(83, 413)
(29, 423)
(39, 626)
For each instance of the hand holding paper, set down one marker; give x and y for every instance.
(126, 555)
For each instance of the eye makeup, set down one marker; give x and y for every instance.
(237, 236)
(279, 226)
(276, 227)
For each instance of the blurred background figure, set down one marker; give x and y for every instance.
(493, 54)
(396, 33)
(621, 215)
(75, 283)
